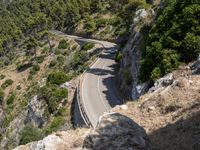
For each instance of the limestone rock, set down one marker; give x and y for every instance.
(162, 82)
(36, 110)
(140, 14)
(196, 67)
(116, 131)
(132, 56)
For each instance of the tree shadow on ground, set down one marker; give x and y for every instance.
(112, 93)
(99, 72)
(109, 81)
(181, 135)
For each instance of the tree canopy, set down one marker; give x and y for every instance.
(174, 39)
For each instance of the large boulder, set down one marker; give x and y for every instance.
(196, 67)
(162, 82)
(116, 131)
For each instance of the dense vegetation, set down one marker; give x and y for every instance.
(30, 133)
(1, 95)
(23, 23)
(24, 28)
(40, 60)
(174, 39)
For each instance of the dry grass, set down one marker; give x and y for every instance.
(171, 116)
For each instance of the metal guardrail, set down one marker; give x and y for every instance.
(79, 99)
(81, 107)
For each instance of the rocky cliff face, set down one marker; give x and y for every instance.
(165, 118)
(33, 115)
(114, 131)
(170, 111)
(130, 64)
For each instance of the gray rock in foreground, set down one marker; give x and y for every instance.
(117, 132)
(196, 67)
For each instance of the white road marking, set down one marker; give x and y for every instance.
(100, 90)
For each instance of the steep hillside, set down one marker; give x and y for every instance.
(39, 68)
(157, 49)
(26, 21)
(166, 118)
(37, 90)
(39, 65)
(170, 111)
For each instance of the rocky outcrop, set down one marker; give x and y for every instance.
(170, 111)
(34, 115)
(116, 131)
(13, 131)
(196, 67)
(130, 63)
(36, 109)
(65, 140)
(162, 83)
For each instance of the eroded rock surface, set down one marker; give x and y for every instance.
(116, 131)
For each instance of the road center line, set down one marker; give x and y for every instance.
(98, 86)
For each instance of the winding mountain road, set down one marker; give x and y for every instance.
(98, 91)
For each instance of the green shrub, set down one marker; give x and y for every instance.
(30, 77)
(156, 74)
(1, 95)
(45, 50)
(40, 59)
(90, 25)
(18, 87)
(23, 67)
(30, 134)
(82, 68)
(63, 44)
(7, 120)
(101, 22)
(118, 56)
(57, 78)
(53, 63)
(2, 77)
(53, 95)
(55, 125)
(60, 60)
(34, 69)
(7, 83)
(63, 111)
(11, 99)
(1, 64)
(174, 39)
(58, 51)
(79, 58)
(87, 46)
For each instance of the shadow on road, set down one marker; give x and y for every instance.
(114, 97)
(99, 72)
(112, 94)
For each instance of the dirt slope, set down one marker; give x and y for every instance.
(171, 114)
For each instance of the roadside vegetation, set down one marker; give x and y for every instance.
(173, 39)
(36, 61)
(25, 23)
(41, 74)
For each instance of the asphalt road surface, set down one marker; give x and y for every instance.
(97, 89)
